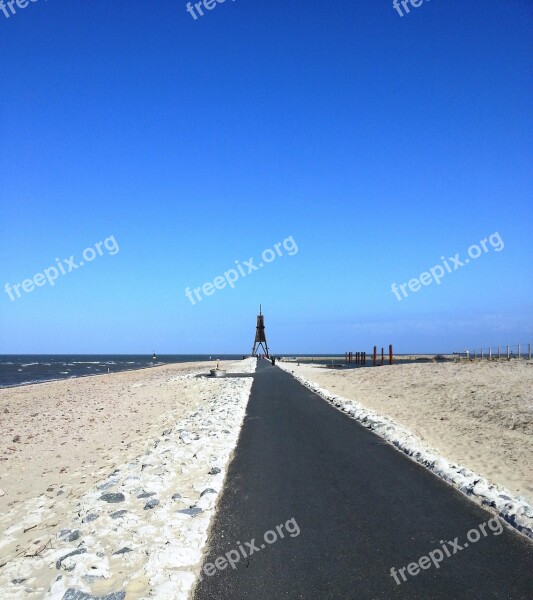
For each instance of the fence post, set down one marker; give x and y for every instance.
(382, 356)
(375, 355)
(481, 353)
(390, 354)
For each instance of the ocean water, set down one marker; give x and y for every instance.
(25, 369)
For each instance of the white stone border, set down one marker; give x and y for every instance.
(514, 510)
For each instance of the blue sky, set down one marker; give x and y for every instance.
(379, 143)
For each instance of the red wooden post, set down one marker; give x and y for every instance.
(375, 355)
(382, 356)
(390, 354)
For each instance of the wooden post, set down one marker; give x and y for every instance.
(382, 356)
(375, 356)
(357, 358)
(390, 354)
(481, 353)
(364, 357)
(518, 350)
(508, 354)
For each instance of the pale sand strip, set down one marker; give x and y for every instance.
(475, 414)
(72, 431)
(89, 427)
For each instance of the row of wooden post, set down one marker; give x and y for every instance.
(359, 358)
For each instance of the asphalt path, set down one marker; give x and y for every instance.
(341, 508)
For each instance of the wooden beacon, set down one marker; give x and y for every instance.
(260, 337)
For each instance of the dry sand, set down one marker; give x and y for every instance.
(59, 439)
(69, 432)
(478, 414)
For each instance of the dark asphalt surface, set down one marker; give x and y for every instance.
(361, 507)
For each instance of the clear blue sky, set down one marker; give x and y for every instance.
(379, 143)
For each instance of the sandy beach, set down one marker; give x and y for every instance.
(160, 437)
(478, 414)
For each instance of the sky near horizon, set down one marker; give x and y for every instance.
(370, 147)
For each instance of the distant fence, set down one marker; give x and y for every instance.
(494, 352)
(379, 356)
(359, 358)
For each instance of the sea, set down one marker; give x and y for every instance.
(26, 369)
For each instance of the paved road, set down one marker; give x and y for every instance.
(361, 508)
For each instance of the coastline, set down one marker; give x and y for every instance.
(149, 431)
(54, 367)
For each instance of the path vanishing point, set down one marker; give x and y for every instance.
(361, 507)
